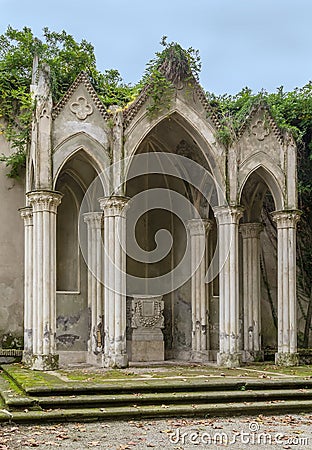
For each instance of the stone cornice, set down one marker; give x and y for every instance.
(130, 112)
(271, 122)
(81, 79)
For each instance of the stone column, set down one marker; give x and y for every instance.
(115, 353)
(44, 205)
(251, 291)
(198, 230)
(94, 222)
(27, 215)
(286, 287)
(228, 219)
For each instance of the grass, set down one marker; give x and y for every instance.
(29, 378)
(255, 370)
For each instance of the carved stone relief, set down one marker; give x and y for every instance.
(81, 108)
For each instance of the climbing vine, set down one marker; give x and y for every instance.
(173, 66)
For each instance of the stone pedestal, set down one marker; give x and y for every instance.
(251, 291)
(44, 205)
(286, 287)
(114, 264)
(229, 352)
(27, 215)
(145, 340)
(94, 222)
(198, 231)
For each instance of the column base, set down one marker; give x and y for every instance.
(252, 356)
(286, 359)
(201, 357)
(95, 360)
(27, 358)
(44, 362)
(115, 361)
(229, 360)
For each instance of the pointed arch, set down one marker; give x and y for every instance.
(201, 131)
(94, 150)
(270, 173)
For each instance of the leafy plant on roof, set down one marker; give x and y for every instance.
(170, 68)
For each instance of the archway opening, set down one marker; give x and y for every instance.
(168, 137)
(258, 248)
(72, 312)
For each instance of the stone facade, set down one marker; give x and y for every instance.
(78, 266)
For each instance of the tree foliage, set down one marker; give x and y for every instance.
(66, 58)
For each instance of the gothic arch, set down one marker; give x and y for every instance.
(95, 152)
(199, 130)
(271, 174)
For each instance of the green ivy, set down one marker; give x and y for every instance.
(170, 67)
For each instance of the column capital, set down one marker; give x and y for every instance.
(93, 219)
(286, 218)
(114, 205)
(27, 214)
(44, 200)
(198, 227)
(228, 214)
(251, 230)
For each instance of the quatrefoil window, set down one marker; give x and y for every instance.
(260, 130)
(81, 108)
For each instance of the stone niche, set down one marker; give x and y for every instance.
(145, 321)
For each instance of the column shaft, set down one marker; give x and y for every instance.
(94, 222)
(44, 205)
(286, 290)
(115, 353)
(228, 218)
(198, 230)
(251, 291)
(27, 215)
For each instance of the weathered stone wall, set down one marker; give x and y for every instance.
(11, 256)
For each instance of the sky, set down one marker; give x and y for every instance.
(262, 44)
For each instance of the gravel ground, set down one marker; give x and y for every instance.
(262, 432)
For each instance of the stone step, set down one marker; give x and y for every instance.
(44, 384)
(32, 396)
(157, 398)
(13, 396)
(156, 411)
